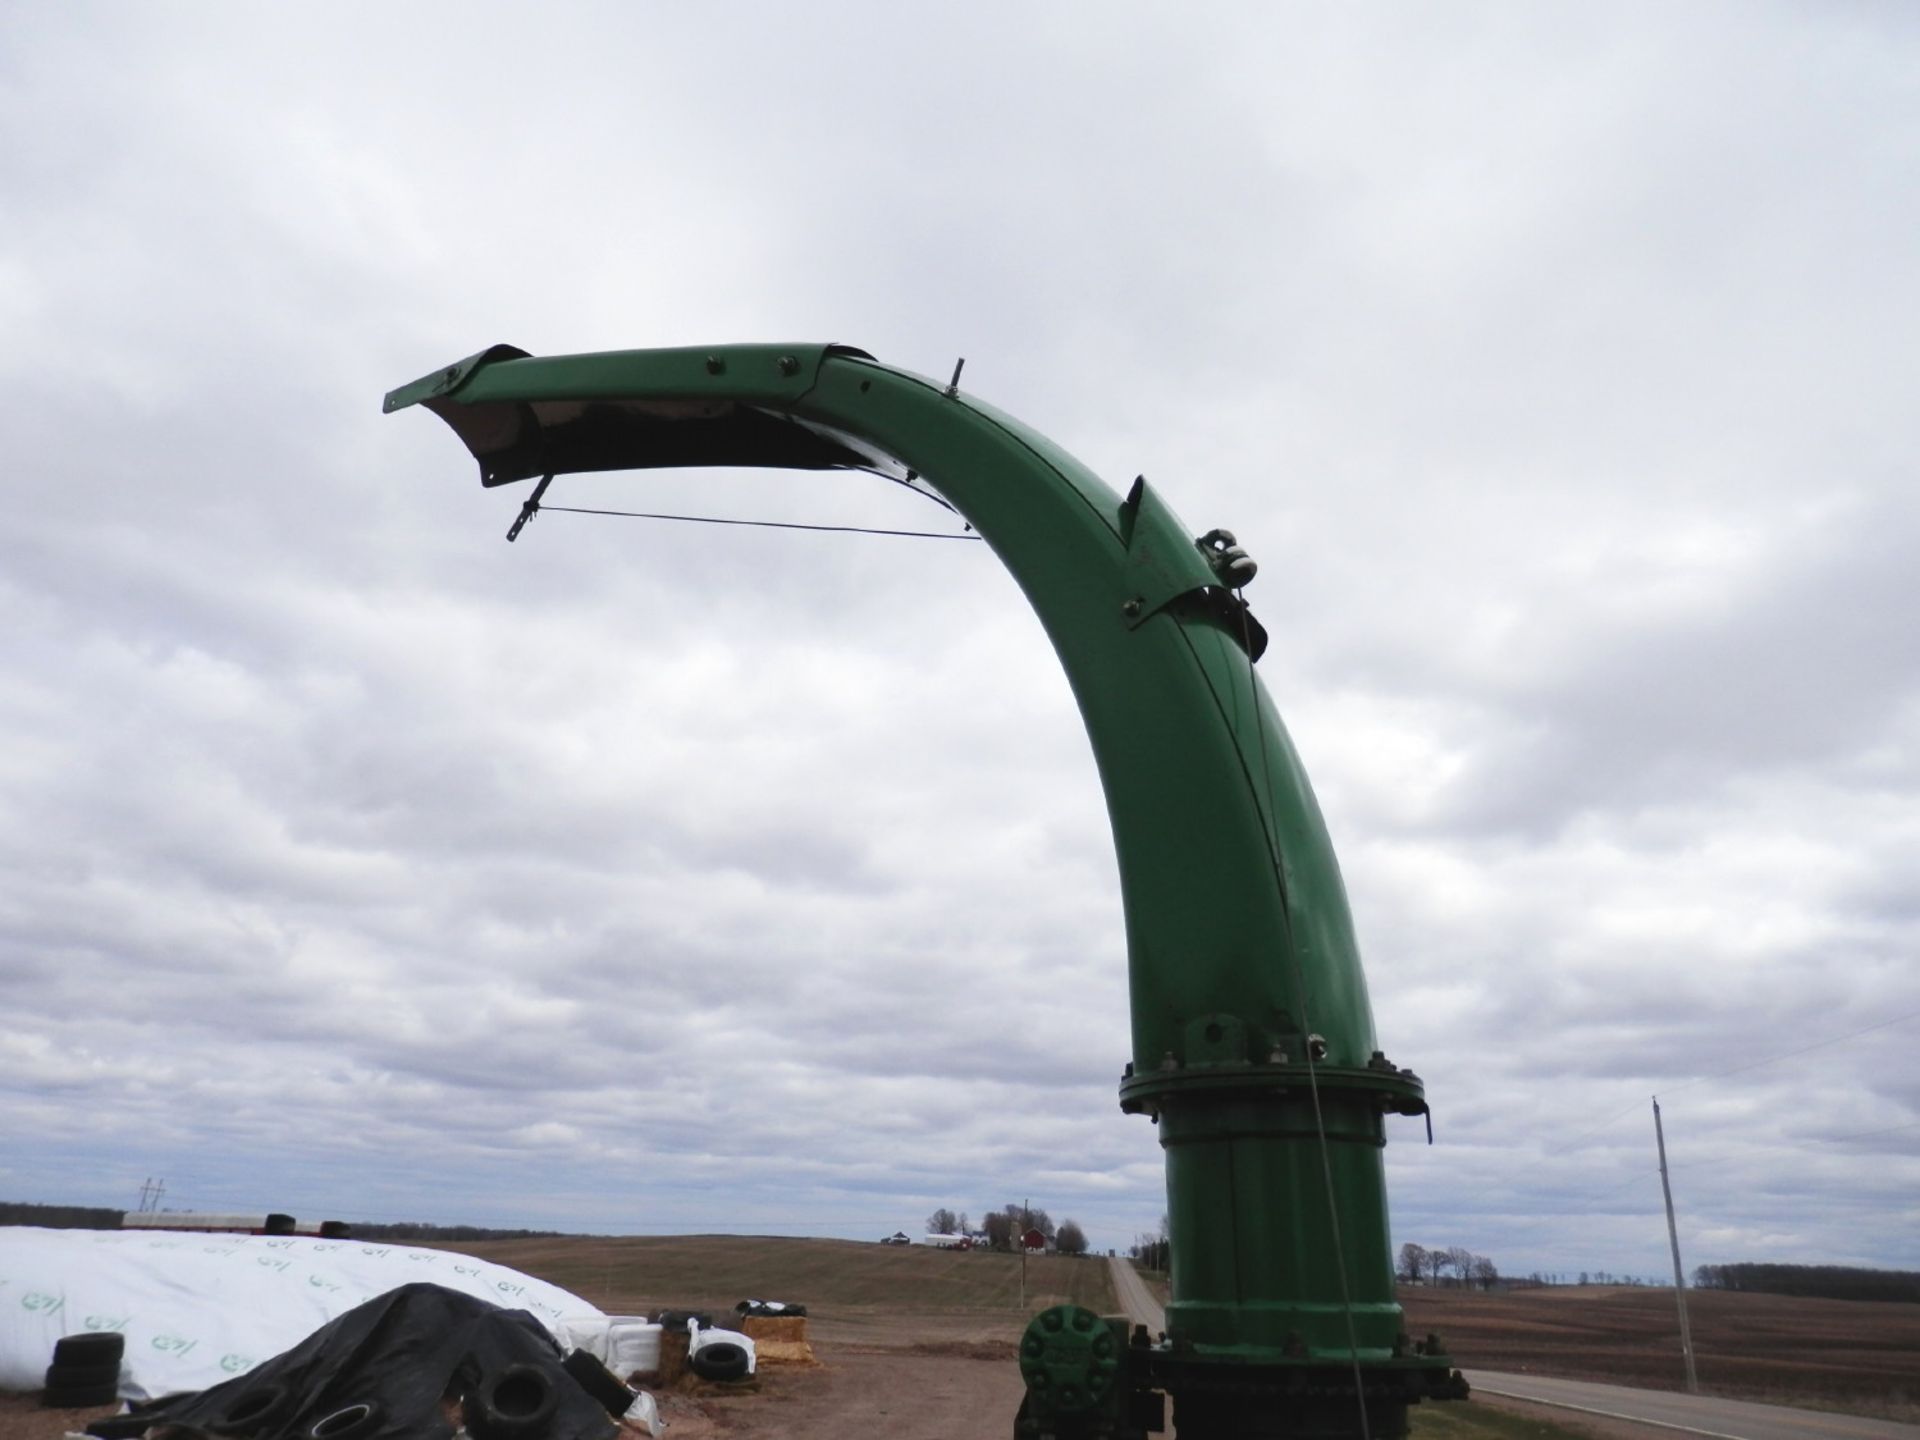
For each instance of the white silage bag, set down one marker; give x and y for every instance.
(198, 1309)
(632, 1346)
(625, 1344)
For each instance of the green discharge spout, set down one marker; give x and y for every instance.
(1253, 1042)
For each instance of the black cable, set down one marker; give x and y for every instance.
(1567, 1146)
(762, 524)
(1789, 1054)
(1866, 1134)
(1270, 825)
(906, 483)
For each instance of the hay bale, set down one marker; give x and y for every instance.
(778, 1339)
(673, 1357)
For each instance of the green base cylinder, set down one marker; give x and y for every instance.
(1260, 1274)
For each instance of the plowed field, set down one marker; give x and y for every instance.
(1840, 1354)
(918, 1344)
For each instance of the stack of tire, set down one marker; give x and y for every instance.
(85, 1371)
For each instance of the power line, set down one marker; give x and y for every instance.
(1594, 1130)
(1584, 1135)
(1868, 1134)
(1789, 1054)
(1590, 1207)
(1739, 1070)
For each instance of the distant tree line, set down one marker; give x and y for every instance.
(420, 1230)
(1829, 1282)
(58, 1217)
(1451, 1265)
(1003, 1228)
(88, 1217)
(1153, 1252)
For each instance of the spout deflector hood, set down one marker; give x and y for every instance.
(523, 417)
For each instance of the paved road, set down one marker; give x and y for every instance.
(1136, 1301)
(1696, 1414)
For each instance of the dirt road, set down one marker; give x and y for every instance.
(890, 1395)
(1136, 1301)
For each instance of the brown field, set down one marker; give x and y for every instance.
(1856, 1356)
(1853, 1355)
(891, 1297)
(918, 1344)
(915, 1343)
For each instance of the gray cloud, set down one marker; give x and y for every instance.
(652, 877)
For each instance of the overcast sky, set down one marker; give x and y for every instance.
(1556, 363)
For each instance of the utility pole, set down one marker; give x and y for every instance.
(1026, 1224)
(1673, 1239)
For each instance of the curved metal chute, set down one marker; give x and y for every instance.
(1253, 1042)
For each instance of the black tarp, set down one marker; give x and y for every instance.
(412, 1364)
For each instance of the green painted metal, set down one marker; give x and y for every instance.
(1075, 1366)
(1253, 1042)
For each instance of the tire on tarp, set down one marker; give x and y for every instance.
(82, 1377)
(516, 1404)
(74, 1397)
(401, 1354)
(90, 1347)
(348, 1422)
(600, 1382)
(260, 1407)
(85, 1370)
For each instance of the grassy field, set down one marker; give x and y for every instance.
(893, 1296)
(1471, 1420)
(881, 1298)
(917, 1343)
(1824, 1354)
